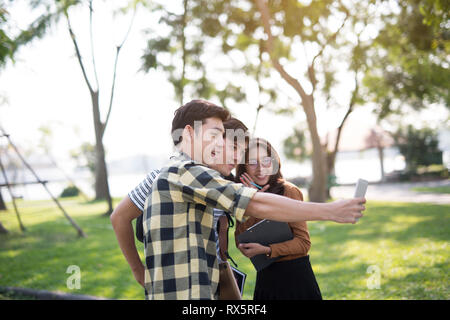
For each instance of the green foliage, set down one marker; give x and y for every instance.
(6, 43)
(418, 146)
(311, 33)
(70, 191)
(85, 156)
(409, 63)
(180, 53)
(294, 146)
(425, 173)
(12, 38)
(435, 13)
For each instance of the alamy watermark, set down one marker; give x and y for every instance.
(374, 280)
(74, 281)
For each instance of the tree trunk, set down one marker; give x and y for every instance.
(3, 230)
(2, 202)
(331, 160)
(318, 188)
(101, 174)
(331, 156)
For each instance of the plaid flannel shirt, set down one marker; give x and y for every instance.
(179, 237)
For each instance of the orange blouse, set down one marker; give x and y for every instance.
(291, 249)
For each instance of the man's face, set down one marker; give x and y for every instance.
(232, 155)
(208, 143)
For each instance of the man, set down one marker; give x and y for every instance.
(132, 206)
(234, 148)
(178, 219)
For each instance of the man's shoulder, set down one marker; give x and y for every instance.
(183, 166)
(181, 169)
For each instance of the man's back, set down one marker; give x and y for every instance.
(180, 244)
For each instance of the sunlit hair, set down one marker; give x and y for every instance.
(195, 110)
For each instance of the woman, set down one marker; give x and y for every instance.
(291, 276)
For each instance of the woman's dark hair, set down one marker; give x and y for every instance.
(195, 110)
(236, 124)
(276, 181)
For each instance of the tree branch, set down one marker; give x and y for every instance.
(260, 89)
(77, 51)
(92, 44)
(311, 70)
(349, 110)
(330, 38)
(183, 49)
(115, 69)
(265, 16)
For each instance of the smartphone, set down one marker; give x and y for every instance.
(361, 188)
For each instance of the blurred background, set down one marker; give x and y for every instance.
(342, 89)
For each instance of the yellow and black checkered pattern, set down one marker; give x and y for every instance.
(179, 238)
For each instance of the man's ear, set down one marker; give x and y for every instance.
(189, 133)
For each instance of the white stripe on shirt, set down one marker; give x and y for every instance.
(139, 194)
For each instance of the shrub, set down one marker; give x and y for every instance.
(70, 191)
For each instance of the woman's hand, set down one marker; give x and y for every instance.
(248, 182)
(253, 249)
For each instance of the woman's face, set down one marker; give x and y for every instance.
(259, 166)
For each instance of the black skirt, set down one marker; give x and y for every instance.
(287, 280)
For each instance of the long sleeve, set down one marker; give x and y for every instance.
(299, 246)
(202, 185)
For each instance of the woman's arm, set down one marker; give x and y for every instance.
(300, 243)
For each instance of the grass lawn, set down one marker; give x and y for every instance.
(443, 189)
(406, 243)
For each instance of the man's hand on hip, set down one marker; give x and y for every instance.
(139, 274)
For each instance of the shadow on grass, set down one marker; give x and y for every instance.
(385, 222)
(398, 232)
(342, 254)
(429, 283)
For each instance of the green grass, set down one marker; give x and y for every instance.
(407, 242)
(443, 189)
(39, 258)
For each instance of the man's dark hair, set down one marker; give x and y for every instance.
(196, 110)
